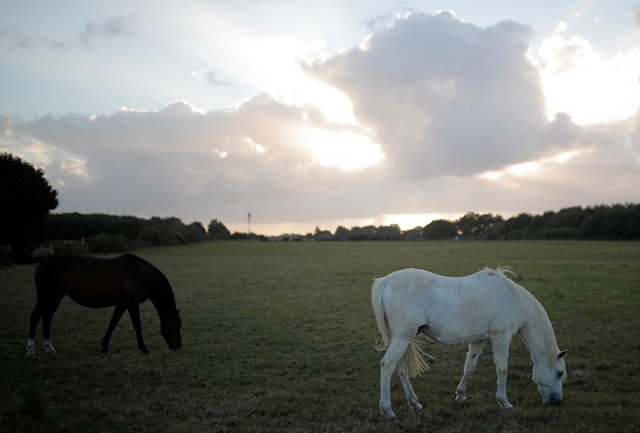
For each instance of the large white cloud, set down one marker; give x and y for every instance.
(444, 96)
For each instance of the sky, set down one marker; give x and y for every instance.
(324, 113)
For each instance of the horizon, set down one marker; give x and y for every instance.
(367, 223)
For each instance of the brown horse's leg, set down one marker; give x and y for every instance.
(134, 313)
(47, 317)
(115, 318)
(48, 311)
(34, 319)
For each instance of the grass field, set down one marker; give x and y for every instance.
(279, 337)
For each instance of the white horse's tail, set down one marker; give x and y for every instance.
(415, 355)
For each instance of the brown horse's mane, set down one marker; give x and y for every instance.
(165, 287)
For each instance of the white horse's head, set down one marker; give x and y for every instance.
(549, 378)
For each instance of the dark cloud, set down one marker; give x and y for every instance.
(15, 38)
(112, 27)
(212, 78)
(93, 32)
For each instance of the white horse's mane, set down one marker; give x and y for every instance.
(535, 311)
(500, 270)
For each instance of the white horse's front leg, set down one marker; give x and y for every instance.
(501, 359)
(473, 353)
(31, 347)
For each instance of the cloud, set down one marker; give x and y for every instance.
(602, 170)
(211, 78)
(166, 161)
(112, 27)
(561, 27)
(452, 116)
(93, 32)
(15, 38)
(443, 96)
(579, 80)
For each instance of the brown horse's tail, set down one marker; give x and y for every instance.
(415, 356)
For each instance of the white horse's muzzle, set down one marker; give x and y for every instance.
(553, 400)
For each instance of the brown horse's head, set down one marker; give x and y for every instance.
(170, 330)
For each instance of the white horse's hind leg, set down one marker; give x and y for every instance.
(31, 347)
(395, 352)
(403, 372)
(501, 359)
(48, 346)
(473, 353)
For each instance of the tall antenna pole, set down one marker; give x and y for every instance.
(249, 222)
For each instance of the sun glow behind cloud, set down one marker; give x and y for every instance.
(530, 168)
(345, 150)
(280, 60)
(410, 221)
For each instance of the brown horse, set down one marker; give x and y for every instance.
(125, 281)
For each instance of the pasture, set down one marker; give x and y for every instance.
(279, 337)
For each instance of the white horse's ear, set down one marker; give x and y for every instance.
(562, 354)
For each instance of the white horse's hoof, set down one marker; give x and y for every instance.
(388, 414)
(504, 403)
(416, 406)
(461, 399)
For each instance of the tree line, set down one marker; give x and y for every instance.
(102, 233)
(108, 233)
(604, 222)
(26, 199)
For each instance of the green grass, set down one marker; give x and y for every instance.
(279, 337)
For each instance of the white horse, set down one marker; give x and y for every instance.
(466, 310)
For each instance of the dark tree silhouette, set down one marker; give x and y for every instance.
(25, 200)
(440, 229)
(218, 231)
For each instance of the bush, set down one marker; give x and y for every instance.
(517, 235)
(557, 233)
(161, 236)
(107, 243)
(69, 247)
